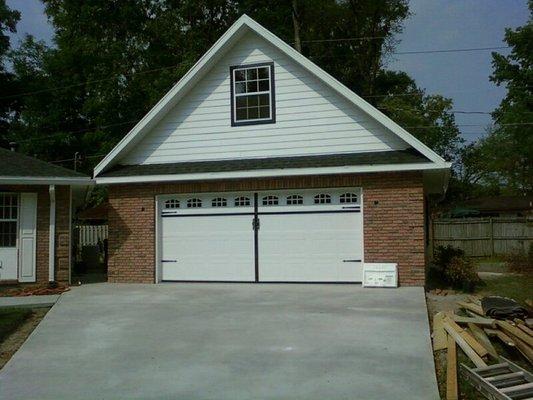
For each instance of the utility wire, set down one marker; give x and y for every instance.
(368, 96)
(73, 159)
(177, 65)
(451, 50)
(405, 127)
(92, 130)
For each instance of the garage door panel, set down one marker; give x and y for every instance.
(208, 248)
(310, 247)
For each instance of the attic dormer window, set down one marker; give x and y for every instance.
(252, 94)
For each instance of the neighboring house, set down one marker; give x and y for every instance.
(259, 166)
(35, 218)
(495, 206)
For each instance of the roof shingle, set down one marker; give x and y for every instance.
(409, 156)
(13, 164)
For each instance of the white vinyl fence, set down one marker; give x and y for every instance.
(483, 237)
(90, 235)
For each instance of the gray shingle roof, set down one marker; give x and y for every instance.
(13, 164)
(409, 156)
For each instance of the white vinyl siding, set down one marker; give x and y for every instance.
(310, 118)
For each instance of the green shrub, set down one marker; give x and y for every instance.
(461, 274)
(455, 269)
(520, 261)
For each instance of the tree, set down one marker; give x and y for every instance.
(427, 117)
(508, 149)
(114, 60)
(8, 104)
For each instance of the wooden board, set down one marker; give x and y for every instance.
(472, 307)
(526, 350)
(506, 326)
(478, 362)
(452, 392)
(439, 334)
(472, 342)
(475, 320)
(482, 337)
(525, 329)
(500, 335)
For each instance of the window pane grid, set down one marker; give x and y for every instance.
(8, 219)
(270, 201)
(219, 202)
(252, 93)
(242, 201)
(194, 203)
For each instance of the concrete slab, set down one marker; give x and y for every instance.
(29, 301)
(227, 341)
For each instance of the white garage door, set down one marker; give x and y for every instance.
(208, 238)
(289, 236)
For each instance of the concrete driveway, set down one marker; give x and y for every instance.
(227, 341)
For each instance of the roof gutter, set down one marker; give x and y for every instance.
(45, 180)
(269, 173)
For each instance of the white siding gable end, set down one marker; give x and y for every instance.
(315, 114)
(311, 118)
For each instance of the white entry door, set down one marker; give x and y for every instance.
(207, 237)
(311, 236)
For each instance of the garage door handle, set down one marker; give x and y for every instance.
(351, 260)
(173, 261)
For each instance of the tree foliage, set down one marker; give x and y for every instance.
(508, 150)
(113, 60)
(8, 105)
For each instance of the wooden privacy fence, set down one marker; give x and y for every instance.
(90, 235)
(483, 237)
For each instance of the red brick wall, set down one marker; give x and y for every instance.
(393, 207)
(62, 241)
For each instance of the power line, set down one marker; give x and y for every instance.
(89, 82)
(345, 39)
(314, 57)
(368, 96)
(432, 109)
(92, 130)
(73, 159)
(451, 50)
(406, 127)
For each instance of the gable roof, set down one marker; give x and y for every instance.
(234, 33)
(16, 168)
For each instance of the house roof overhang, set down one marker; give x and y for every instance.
(435, 175)
(19, 169)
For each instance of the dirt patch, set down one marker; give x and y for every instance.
(34, 290)
(13, 342)
(444, 300)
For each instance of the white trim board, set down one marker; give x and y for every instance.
(267, 173)
(242, 25)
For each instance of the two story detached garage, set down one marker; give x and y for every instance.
(258, 166)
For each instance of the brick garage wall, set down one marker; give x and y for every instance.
(393, 207)
(62, 240)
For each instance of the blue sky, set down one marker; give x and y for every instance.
(435, 24)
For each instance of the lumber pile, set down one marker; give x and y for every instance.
(475, 335)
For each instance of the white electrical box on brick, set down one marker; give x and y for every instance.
(380, 275)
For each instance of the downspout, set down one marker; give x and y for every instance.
(52, 235)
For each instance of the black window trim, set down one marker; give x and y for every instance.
(272, 119)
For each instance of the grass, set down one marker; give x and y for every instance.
(518, 287)
(11, 319)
